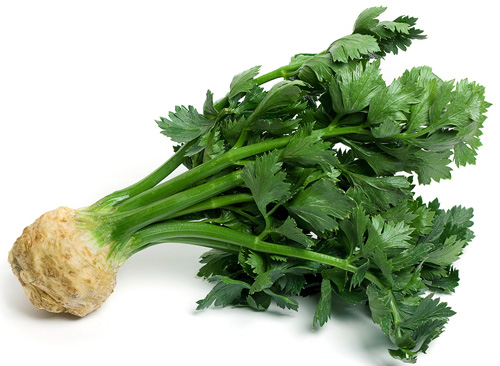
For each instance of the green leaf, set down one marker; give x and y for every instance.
(234, 221)
(430, 165)
(226, 292)
(266, 180)
(266, 280)
(212, 144)
(427, 164)
(405, 356)
(366, 20)
(464, 154)
(359, 275)
(275, 126)
(441, 282)
(379, 193)
(383, 162)
(282, 301)
(388, 237)
(449, 235)
(243, 82)
(466, 105)
(256, 262)
(447, 253)
(282, 94)
(380, 307)
(392, 103)
(217, 262)
(208, 107)
(423, 79)
(456, 116)
(426, 322)
(391, 36)
(353, 46)
(396, 35)
(320, 204)
(290, 230)
(443, 97)
(388, 128)
(409, 282)
(231, 129)
(306, 148)
(354, 229)
(331, 174)
(259, 301)
(384, 264)
(337, 276)
(324, 307)
(318, 68)
(411, 256)
(250, 101)
(353, 87)
(184, 125)
(293, 282)
(395, 27)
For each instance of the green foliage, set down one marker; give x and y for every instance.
(266, 180)
(354, 86)
(290, 230)
(352, 47)
(330, 156)
(319, 205)
(244, 82)
(184, 125)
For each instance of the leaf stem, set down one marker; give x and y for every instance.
(144, 184)
(218, 164)
(122, 225)
(215, 203)
(281, 72)
(177, 231)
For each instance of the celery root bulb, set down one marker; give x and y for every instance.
(60, 266)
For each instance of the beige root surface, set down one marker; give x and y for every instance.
(60, 266)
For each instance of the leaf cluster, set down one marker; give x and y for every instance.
(342, 184)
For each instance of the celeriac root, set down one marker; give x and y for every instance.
(60, 266)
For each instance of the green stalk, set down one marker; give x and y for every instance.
(214, 203)
(281, 72)
(201, 242)
(175, 161)
(205, 170)
(144, 184)
(122, 225)
(124, 197)
(178, 231)
(211, 167)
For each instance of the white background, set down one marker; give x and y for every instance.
(81, 83)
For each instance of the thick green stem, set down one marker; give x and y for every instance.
(125, 224)
(177, 231)
(191, 177)
(281, 72)
(229, 158)
(140, 193)
(144, 184)
(201, 242)
(214, 203)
